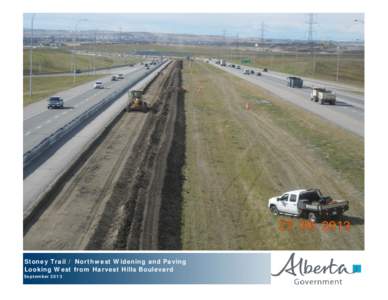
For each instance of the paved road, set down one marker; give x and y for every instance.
(40, 122)
(348, 113)
(111, 70)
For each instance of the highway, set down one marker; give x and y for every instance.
(39, 122)
(348, 113)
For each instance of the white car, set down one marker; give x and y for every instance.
(98, 85)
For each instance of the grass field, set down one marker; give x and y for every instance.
(351, 69)
(237, 158)
(49, 85)
(60, 60)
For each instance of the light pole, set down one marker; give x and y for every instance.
(360, 21)
(31, 41)
(74, 39)
(338, 62)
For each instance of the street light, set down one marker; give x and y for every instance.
(74, 39)
(338, 62)
(360, 21)
(31, 41)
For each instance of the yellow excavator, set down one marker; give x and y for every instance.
(136, 102)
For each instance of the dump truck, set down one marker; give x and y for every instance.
(323, 96)
(136, 102)
(308, 203)
(294, 82)
(223, 62)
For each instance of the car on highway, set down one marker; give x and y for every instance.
(55, 102)
(252, 72)
(265, 70)
(98, 85)
(308, 203)
(258, 73)
(246, 72)
(120, 76)
(238, 67)
(114, 78)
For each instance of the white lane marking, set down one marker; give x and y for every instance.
(39, 127)
(48, 121)
(27, 133)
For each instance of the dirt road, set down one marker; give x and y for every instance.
(114, 198)
(244, 146)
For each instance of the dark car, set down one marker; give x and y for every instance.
(55, 102)
(258, 73)
(78, 71)
(265, 70)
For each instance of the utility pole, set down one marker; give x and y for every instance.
(338, 62)
(238, 46)
(262, 30)
(310, 37)
(223, 43)
(95, 52)
(31, 41)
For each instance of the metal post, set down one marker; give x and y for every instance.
(31, 41)
(338, 62)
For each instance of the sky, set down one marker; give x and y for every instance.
(291, 26)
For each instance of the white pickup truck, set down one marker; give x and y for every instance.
(322, 96)
(307, 203)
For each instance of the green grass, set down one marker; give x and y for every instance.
(237, 159)
(47, 60)
(351, 69)
(343, 151)
(351, 65)
(49, 85)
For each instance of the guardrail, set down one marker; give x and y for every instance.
(30, 156)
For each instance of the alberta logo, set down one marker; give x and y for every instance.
(301, 268)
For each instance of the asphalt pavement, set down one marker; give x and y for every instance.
(348, 113)
(40, 122)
